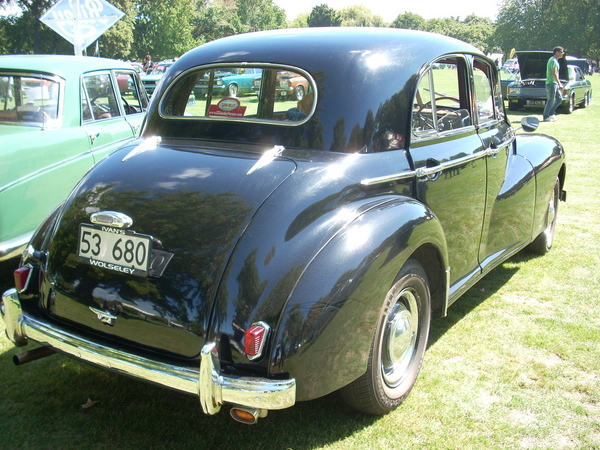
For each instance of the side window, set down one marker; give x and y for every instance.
(440, 103)
(133, 102)
(483, 92)
(100, 96)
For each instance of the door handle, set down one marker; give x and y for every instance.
(93, 136)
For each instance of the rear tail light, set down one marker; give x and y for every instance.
(22, 276)
(254, 340)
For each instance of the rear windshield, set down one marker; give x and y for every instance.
(282, 95)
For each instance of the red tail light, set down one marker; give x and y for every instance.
(21, 276)
(254, 340)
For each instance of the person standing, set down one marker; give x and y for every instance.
(147, 66)
(553, 85)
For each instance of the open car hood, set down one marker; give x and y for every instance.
(532, 65)
(192, 210)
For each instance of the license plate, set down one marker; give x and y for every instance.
(536, 102)
(114, 249)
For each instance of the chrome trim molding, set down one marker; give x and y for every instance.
(388, 178)
(14, 247)
(213, 388)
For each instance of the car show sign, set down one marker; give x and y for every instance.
(81, 22)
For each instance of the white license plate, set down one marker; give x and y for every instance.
(114, 249)
(536, 102)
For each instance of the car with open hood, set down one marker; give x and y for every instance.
(260, 251)
(59, 115)
(530, 89)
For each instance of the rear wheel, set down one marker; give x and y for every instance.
(570, 106)
(299, 92)
(586, 100)
(232, 89)
(543, 243)
(398, 345)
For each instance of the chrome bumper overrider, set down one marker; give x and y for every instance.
(213, 388)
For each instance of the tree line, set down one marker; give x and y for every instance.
(168, 29)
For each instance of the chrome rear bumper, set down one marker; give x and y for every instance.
(212, 388)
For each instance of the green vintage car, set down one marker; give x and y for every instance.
(59, 115)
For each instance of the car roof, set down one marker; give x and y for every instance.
(65, 66)
(317, 49)
(379, 66)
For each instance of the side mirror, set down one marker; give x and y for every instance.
(530, 124)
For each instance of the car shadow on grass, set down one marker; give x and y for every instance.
(476, 295)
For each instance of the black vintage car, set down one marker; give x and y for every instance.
(260, 251)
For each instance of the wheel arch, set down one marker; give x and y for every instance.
(342, 292)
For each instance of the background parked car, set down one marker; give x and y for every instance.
(507, 77)
(153, 78)
(58, 116)
(511, 65)
(289, 85)
(257, 253)
(530, 90)
(231, 83)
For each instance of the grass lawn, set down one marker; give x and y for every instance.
(515, 365)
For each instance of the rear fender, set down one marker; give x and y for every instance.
(324, 334)
(547, 157)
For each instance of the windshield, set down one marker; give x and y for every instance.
(283, 95)
(29, 99)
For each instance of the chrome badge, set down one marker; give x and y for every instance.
(112, 219)
(104, 316)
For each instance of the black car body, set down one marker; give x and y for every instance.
(266, 252)
(530, 90)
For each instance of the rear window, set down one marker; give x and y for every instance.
(30, 99)
(258, 93)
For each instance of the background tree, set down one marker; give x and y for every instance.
(359, 16)
(164, 29)
(216, 20)
(32, 10)
(117, 41)
(299, 22)
(543, 24)
(324, 16)
(477, 31)
(409, 21)
(257, 15)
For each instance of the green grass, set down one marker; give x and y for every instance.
(515, 365)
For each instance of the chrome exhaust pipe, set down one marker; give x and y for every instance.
(32, 355)
(246, 415)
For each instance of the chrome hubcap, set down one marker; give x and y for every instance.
(550, 221)
(399, 339)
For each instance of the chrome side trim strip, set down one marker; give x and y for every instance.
(388, 178)
(213, 388)
(428, 171)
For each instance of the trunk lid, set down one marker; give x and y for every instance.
(190, 208)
